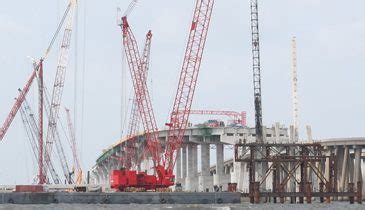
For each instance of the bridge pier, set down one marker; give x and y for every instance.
(191, 181)
(205, 180)
(357, 171)
(178, 164)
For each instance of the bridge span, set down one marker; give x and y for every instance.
(207, 160)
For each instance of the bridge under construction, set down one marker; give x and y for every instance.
(214, 162)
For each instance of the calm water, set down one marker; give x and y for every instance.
(335, 205)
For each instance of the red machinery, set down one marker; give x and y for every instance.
(122, 179)
(135, 119)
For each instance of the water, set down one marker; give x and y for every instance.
(244, 206)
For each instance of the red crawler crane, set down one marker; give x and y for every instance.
(188, 79)
(37, 68)
(135, 118)
(178, 122)
(121, 179)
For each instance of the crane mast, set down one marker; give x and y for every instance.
(134, 120)
(58, 142)
(295, 90)
(34, 129)
(76, 159)
(30, 134)
(188, 79)
(17, 104)
(141, 92)
(256, 69)
(59, 81)
(42, 178)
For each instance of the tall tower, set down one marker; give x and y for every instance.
(295, 90)
(256, 69)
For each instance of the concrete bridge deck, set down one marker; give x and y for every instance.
(196, 173)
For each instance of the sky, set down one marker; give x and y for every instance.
(330, 43)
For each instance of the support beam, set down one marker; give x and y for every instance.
(205, 179)
(205, 159)
(178, 163)
(220, 159)
(184, 164)
(344, 170)
(357, 171)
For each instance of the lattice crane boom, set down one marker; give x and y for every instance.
(135, 119)
(256, 69)
(75, 156)
(188, 79)
(59, 79)
(295, 101)
(17, 104)
(33, 127)
(42, 177)
(30, 133)
(141, 92)
(58, 143)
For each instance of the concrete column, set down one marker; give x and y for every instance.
(178, 164)
(205, 180)
(221, 179)
(191, 181)
(351, 168)
(357, 167)
(339, 159)
(344, 170)
(220, 159)
(194, 154)
(291, 134)
(205, 159)
(327, 164)
(309, 133)
(184, 165)
(277, 132)
(192, 160)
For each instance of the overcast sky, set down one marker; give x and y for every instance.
(331, 48)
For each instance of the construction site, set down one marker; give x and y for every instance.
(226, 157)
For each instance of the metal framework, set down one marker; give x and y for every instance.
(59, 81)
(32, 129)
(76, 161)
(135, 119)
(42, 177)
(256, 69)
(295, 90)
(141, 92)
(58, 143)
(300, 162)
(188, 79)
(17, 104)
